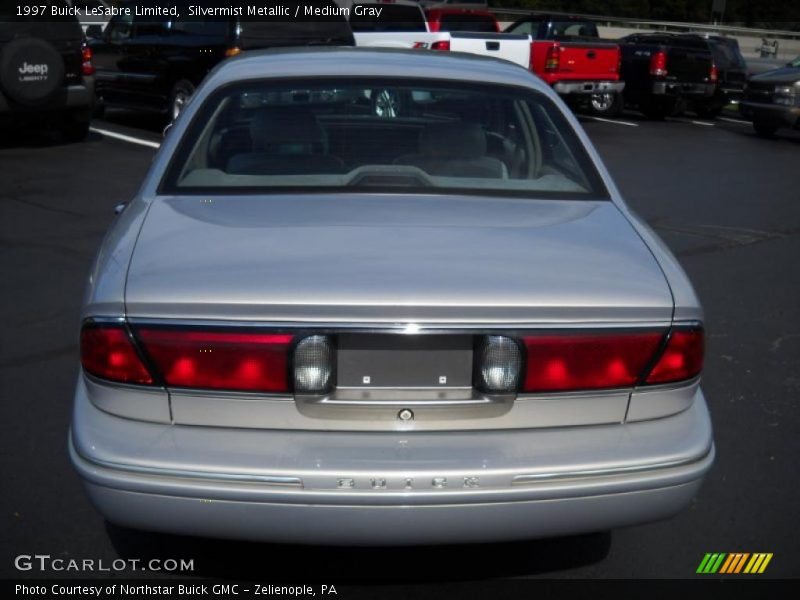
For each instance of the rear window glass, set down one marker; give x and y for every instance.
(392, 18)
(418, 136)
(467, 22)
(568, 29)
(727, 54)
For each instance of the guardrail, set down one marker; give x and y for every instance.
(658, 25)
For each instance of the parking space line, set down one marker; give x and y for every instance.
(125, 138)
(689, 121)
(612, 121)
(729, 120)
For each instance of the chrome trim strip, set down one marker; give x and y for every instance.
(537, 477)
(407, 328)
(271, 480)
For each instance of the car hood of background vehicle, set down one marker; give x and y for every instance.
(393, 258)
(784, 75)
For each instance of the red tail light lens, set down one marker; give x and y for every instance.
(553, 59)
(682, 358)
(588, 361)
(658, 64)
(253, 362)
(107, 352)
(441, 45)
(713, 75)
(87, 67)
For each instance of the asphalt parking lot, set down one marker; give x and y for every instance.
(725, 201)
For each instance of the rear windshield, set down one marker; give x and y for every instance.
(368, 135)
(573, 29)
(467, 22)
(727, 55)
(392, 18)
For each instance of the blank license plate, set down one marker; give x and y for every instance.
(404, 361)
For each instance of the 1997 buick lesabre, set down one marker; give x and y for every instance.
(324, 321)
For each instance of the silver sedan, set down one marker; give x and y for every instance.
(320, 322)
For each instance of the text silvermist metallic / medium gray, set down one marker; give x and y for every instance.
(502, 350)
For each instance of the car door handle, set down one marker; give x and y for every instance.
(493, 46)
(590, 54)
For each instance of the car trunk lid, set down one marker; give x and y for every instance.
(393, 258)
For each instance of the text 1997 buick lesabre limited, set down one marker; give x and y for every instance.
(329, 320)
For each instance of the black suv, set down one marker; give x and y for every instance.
(154, 64)
(46, 71)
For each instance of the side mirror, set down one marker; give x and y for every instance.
(94, 32)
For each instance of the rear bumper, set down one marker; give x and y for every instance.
(389, 488)
(588, 87)
(73, 97)
(669, 88)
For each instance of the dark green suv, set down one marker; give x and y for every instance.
(773, 99)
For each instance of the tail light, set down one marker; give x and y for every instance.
(713, 75)
(611, 360)
(220, 360)
(500, 361)
(87, 66)
(441, 45)
(108, 352)
(658, 64)
(553, 59)
(681, 359)
(313, 364)
(587, 361)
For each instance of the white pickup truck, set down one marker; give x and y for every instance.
(402, 24)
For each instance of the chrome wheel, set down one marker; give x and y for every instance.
(179, 102)
(602, 102)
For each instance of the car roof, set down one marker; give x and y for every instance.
(371, 62)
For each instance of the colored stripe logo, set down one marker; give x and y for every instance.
(734, 563)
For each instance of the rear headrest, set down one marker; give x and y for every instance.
(453, 140)
(272, 127)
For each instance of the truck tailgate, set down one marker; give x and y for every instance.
(510, 47)
(579, 60)
(688, 65)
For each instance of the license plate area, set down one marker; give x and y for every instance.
(404, 362)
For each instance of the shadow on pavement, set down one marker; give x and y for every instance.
(280, 562)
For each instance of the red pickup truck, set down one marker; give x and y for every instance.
(567, 53)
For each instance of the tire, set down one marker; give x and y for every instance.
(181, 93)
(606, 104)
(707, 112)
(655, 110)
(75, 127)
(31, 70)
(764, 128)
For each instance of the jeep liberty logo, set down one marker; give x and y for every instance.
(33, 72)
